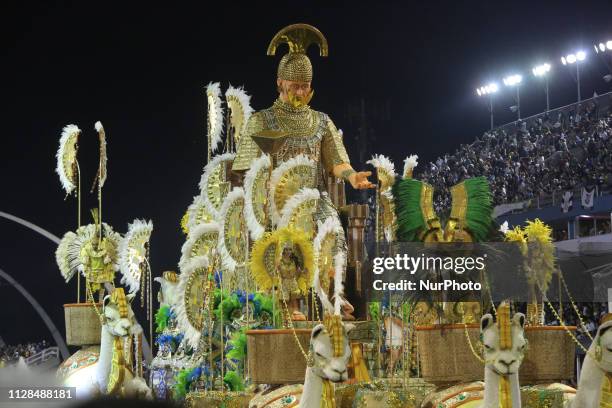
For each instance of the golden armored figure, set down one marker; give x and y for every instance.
(306, 131)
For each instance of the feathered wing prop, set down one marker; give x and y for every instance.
(201, 241)
(67, 165)
(133, 254)
(286, 180)
(192, 334)
(68, 253)
(210, 189)
(215, 115)
(255, 190)
(239, 104)
(324, 245)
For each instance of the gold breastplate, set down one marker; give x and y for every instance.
(304, 126)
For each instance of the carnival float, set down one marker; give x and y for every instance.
(267, 307)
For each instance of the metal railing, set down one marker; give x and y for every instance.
(602, 104)
(42, 356)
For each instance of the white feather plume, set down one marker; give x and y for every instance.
(194, 235)
(208, 169)
(339, 265)
(329, 226)
(305, 194)
(410, 163)
(103, 169)
(277, 173)
(192, 335)
(215, 114)
(132, 253)
(261, 163)
(226, 258)
(245, 104)
(67, 146)
(380, 161)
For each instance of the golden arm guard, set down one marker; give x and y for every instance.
(333, 151)
(247, 148)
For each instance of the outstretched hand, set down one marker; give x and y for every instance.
(359, 180)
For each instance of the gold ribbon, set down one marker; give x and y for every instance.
(333, 326)
(505, 328)
(328, 395)
(505, 398)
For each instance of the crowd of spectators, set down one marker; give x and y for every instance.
(10, 354)
(557, 152)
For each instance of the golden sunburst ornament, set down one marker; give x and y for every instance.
(193, 289)
(201, 241)
(288, 179)
(232, 244)
(213, 184)
(256, 195)
(298, 212)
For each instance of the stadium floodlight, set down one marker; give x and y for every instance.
(609, 45)
(488, 89)
(575, 59)
(542, 71)
(515, 80)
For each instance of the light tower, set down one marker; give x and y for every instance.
(488, 89)
(515, 80)
(575, 59)
(542, 71)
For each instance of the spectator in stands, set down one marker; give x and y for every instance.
(546, 157)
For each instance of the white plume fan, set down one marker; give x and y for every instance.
(336, 307)
(277, 173)
(208, 170)
(331, 225)
(215, 114)
(68, 253)
(239, 103)
(66, 158)
(410, 163)
(194, 235)
(133, 253)
(192, 335)
(383, 162)
(228, 262)
(305, 194)
(262, 163)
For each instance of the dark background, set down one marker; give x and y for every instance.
(141, 70)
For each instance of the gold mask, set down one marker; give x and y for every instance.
(298, 101)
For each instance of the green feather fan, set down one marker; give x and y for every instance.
(410, 221)
(479, 214)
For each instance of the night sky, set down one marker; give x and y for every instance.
(141, 70)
